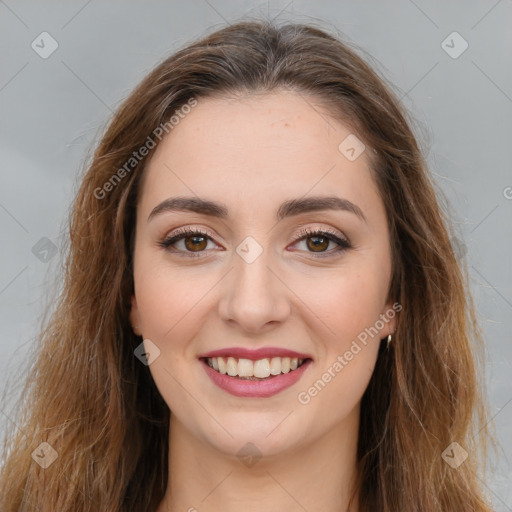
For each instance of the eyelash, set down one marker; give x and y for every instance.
(343, 243)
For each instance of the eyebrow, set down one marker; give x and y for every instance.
(289, 208)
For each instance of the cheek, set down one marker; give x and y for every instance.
(167, 299)
(347, 301)
(349, 305)
(169, 303)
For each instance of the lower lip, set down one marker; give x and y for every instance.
(256, 388)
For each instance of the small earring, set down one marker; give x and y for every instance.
(389, 341)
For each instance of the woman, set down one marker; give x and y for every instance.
(261, 307)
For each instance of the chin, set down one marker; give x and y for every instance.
(267, 436)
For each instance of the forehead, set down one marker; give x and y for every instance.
(259, 147)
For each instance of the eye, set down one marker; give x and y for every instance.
(194, 241)
(317, 242)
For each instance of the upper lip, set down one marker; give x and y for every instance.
(255, 354)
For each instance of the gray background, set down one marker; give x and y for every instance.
(52, 111)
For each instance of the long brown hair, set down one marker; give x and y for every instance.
(97, 405)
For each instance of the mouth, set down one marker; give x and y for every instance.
(259, 378)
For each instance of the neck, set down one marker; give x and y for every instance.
(316, 477)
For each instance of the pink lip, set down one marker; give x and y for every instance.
(255, 388)
(254, 355)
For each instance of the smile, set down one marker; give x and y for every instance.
(260, 378)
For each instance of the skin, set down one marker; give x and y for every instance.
(251, 154)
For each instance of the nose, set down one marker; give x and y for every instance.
(254, 296)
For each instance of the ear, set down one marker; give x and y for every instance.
(135, 317)
(388, 318)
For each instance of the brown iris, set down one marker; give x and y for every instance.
(318, 246)
(198, 243)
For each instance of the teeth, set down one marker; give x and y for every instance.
(232, 367)
(245, 367)
(221, 363)
(275, 366)
(261, 368)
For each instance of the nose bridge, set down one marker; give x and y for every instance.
(253, 296)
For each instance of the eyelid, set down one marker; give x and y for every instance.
(312, 231)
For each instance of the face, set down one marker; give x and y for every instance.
(259, 274)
